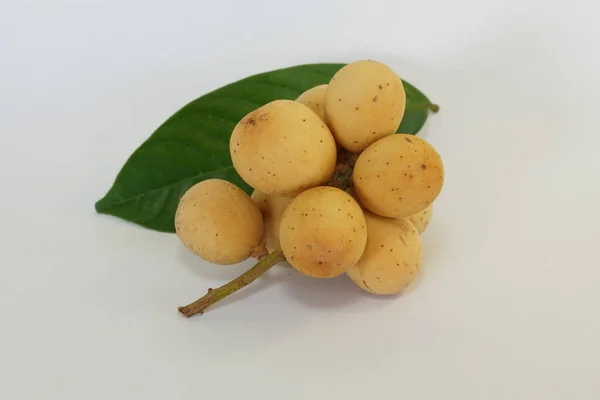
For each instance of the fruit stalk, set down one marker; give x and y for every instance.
(215, 295)
(424, 106)
(340, 179)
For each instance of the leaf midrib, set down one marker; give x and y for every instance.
(168, 185)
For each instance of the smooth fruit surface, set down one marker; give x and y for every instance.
(398, 176)
(421, 219)
(283, 148)
(392, 258)
(323, 232)
(365, 101)
(219, 222)
(272, 208)
(314, 98)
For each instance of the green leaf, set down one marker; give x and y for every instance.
(192, 145)
(417, 110)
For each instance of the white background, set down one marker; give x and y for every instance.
(507, 305)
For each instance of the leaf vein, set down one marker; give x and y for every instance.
(167, 186)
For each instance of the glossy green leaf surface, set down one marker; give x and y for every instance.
(192, 145)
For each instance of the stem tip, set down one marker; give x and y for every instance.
(215, 295)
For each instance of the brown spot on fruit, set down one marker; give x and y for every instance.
(375, 99)
(409, 140)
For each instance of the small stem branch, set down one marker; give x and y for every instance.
(342, 176)
(425, 106)
(215, 295)
(343, 179)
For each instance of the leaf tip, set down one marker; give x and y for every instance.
(99, 206)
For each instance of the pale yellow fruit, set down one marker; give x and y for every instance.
(283, 148)
(392, 258)
(314, 98)
(271, 207)
(219, 222)
(421, 219)
(323, 232)
(398, 176)
(365, 101)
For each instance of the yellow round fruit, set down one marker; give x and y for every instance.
(219, 222)
(398, 176)
(314, 98)
(323, 232)
(392, 258)
(421, 219)
(272, 208)
(365, 101)
(283, 148)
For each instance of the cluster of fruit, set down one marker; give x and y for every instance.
(337, 191)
